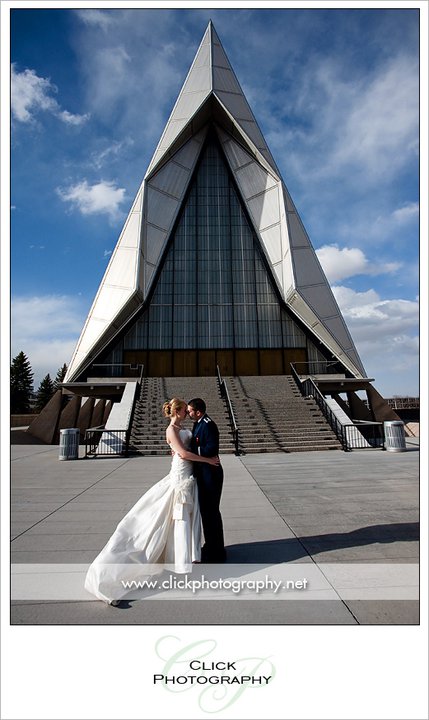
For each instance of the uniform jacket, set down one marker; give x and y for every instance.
(205, 437)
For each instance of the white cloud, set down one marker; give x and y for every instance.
(374, 322)
(357, 128)
(372, 227)
(31, 94)
(100, 158)
(111, 80)
(381, 126)
(130, 78)
(102, 198)
(70, 119)
(339, 264)
(407, 212)
(386, 336)
(96, 18)
(46, 328)
(45, 316)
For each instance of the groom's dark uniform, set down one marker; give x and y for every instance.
(205, 442)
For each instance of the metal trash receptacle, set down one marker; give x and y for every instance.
(69, 444)
(394, 435)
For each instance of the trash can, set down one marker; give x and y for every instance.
(394, 435)
(69, 444)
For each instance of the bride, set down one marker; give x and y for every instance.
(163, 527)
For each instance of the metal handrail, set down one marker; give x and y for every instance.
(93, 437)
(225, 394)
(308, 388)
(363, 435)
(403, 403)
(131, 366)
(354, 435)
(319, 367)
(133, 409)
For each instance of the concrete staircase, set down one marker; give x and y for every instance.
(270, 412)
(272, 416)
(149, 425)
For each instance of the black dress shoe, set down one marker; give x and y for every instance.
(115, 603)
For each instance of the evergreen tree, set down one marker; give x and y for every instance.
(44, 393)
(21, 384)
(60, 376)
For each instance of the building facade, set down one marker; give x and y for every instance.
(213, 266)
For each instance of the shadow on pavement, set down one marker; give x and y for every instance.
(275, 551)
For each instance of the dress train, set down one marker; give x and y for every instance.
(162, 528)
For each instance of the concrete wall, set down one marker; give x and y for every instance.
(119, 419)
(22, 420)
(44, 426)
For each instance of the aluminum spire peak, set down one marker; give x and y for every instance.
(211, 74)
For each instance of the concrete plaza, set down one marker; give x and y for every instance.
(348, 520)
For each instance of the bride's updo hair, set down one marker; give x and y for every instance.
(169, 409)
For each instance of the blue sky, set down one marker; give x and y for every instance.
(336, 94)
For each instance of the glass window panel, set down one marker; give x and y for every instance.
(214, 289)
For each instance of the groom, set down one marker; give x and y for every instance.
(205, 442)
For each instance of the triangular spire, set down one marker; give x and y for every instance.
(211, 74)
(195, 90)
(211, 96)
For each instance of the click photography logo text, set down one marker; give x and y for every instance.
(218, 682)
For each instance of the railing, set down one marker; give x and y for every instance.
(403, 403)
(364, 434)
(352, 436)
(117, 370)
(318, 367)
(225, 394)
(113, 442)
(310, 389)
(110, 442)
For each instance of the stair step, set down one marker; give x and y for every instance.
(271, 414)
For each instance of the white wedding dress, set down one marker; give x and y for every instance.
(162, 529)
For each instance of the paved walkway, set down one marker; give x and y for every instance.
(345, 522)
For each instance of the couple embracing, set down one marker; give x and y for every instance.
(164, 526)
